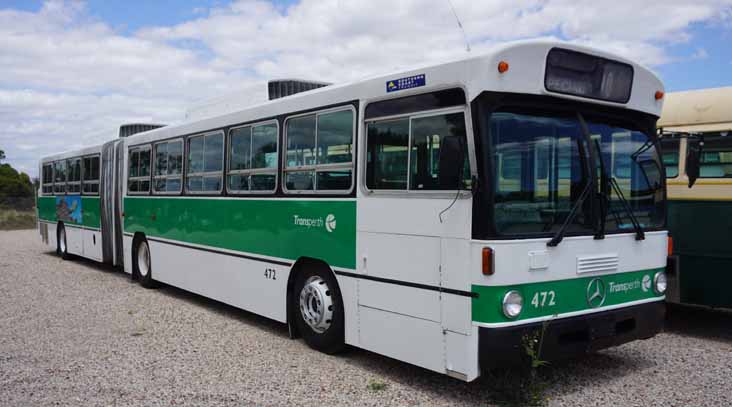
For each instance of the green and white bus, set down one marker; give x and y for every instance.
(437, 216)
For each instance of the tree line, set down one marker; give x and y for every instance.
(17, 191)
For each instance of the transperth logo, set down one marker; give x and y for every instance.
(646, 283)
(329, 222)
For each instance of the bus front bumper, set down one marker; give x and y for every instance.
(570, 337)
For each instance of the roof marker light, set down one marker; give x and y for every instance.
(502, 67)
(659, 94)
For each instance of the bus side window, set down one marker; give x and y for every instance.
(253, 158)
(90, 176)
(334, 150)
(168, 166)
(386, 166)
(716, 157)
(138, 177)
(319, 152)
(73, 175)
(300, 153)
(59, 177)
(670, 155)
(398, 159)
(427, 134)
(205, 163)
(47, 179)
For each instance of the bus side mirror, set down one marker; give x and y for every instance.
(693, 159)
(452, 159)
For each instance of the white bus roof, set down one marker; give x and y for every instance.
(698, 110)
(474, 74)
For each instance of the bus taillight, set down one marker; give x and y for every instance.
(487, 261)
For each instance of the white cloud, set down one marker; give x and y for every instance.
(66, 75)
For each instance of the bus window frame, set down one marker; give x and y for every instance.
(714, 135)
(153, 165)
(70, 160)
(43, 179)
(320, 167)
(185, 169)
(64, 192)
(91, 182)
(251, 171)
(465, 109)
(148, 178)
(680, 152)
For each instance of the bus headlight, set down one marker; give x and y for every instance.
(512, 304)
(659, 283)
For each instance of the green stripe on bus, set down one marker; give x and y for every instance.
(560, 297)
(47, 208)
(287, 229)
(90, 211)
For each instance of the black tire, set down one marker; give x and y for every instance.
(142, 264)
(62, 247)
(332, 339)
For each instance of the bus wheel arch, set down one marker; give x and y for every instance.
(309, 280)
(141, 253)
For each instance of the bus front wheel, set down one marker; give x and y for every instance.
(319, 311)
(143, 264)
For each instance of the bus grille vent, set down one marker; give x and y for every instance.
(599, 263)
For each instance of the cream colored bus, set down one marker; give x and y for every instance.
(700, 216)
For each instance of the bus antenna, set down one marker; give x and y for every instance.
(460, 25)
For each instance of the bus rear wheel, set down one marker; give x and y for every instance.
(319, 314)
(143, 264)
(62, 248)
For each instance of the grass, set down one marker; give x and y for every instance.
(376, 385)
(523, 385)
(11, 219)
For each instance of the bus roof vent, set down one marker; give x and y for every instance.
(285, 87)
(129, 129)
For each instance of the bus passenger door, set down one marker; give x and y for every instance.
(403, 232)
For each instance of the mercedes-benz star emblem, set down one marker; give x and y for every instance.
(596, 293)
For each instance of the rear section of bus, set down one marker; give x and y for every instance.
(569, 241)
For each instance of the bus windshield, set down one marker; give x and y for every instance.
(542, 166)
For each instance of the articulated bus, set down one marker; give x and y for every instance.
(439, 216)
(700, 216)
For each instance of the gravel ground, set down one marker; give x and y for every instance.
(78, 333)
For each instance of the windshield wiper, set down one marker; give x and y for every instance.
(639, 233)
(572, 213)
(605, 202)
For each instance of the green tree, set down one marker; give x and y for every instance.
(16, 189)
(2, 155)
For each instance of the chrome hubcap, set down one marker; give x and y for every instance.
(143, 259)
(62, 240)
(316, 304)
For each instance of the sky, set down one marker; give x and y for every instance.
(72, 70)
